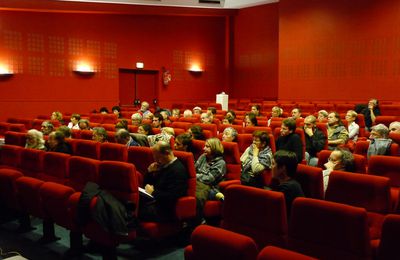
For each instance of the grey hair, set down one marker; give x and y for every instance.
(234, 133)
(381, 129)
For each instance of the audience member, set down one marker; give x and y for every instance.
(136, 119)
(337, 132)
(158, 121)
(103, 110)
(165, 113)
(57, 115)
(145, 129)
(394, 127)
(74, 124)
(289, 140)
(340, 160)
(371, 112)
(117, 111)
(148, 116)
(229, 135)
(250, 120)
(144, 109)
(379, 141)
(57, 143)
(65, 130)
(205, 118)
(166, 134)
(166, 181)
(197, 110)
(315, 140)
(123, 137)
(212, 111)
(99, 134)
(227, 120)
(322, 116)
(176, 112)
(187, 113)
(122, 124)
(84, 124)
(183, 142)
(255, 109)
(47, 127)
(255, 159)
(276, 112)
(296, 113)
(230, 113)
(34, 140)
(196, 132)
(353, 129)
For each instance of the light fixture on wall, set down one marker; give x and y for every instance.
(139, 65)
(195, 68)
(5, 72)
(84, 69)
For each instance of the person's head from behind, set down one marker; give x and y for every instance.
(145, 129)
(255, 109)
(206, 118)
(65, 130)
(103, 110)
(296, 113)
(284, 165)
(84, 124)
(162, 153)
(55, 138)
(122, 136)
(251, 120)
(136, 119)
(183, 142)
(334, 119)
(341, 159)
(260, 139)
(213, 148)
(276, 111)
(394, 127)
(196, 132)
(288, 126)
(56, 115)
(187, 113)
(229, 135)
(379, 131)
(165, 114)
(75, 118)
(116, 110)
(148, 116)
(144, 106)
(99, 134)
(34, 138)
(157, 120)
(47, 127)
(351, 116)
(322, 115)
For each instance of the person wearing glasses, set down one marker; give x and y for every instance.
(315, 140)
(339, 160)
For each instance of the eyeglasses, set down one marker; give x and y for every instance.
(332, 159)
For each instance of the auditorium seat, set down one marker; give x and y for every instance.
(55, 167)
(277, 253)
(190, 120)
(198, 148)
(10, 156)
(96, 118)
(257, 213)
(81, 171)
(387, 166)
(344, 107)
(329, 230)
(32, 162)
(132, 128)
(4, 127)
(113, 152)
(386, 120)
(183, 125)
(360, 190)
(87, 134)
(108, 127)
(87, 148)
(389, 242)
(8, 190)
(251, 129)
(17, 128)
(109, 119)
(209, 242)
(311, 181)
(111, 137)
(141, 157)
(211, 127)
(15, 138)
(37, 123)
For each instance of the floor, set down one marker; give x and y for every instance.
(28, 245)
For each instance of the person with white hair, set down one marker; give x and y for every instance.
(380, 142)
(394, 127)
(187, 113)
(136, 119)
(197, 110)
(34, 140)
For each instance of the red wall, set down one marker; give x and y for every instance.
(339, 49)
(255, 48)
(41, 48)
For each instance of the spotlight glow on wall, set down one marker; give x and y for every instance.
(195, 68)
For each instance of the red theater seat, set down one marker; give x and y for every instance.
(257, 213)
(109, 119)
(17, 128)
(87, 148)
(141, 157)
(8, 189)
(32, 162)
(209, 242)
(251, 129)
(329, 230)
(55, 167)
(81, 171)
(360, 161)
(10, 156)
(113, 152)
(183, 125)
(15, 138)
(87, 134)
(277, 253)
(311, 181)
(389, 243)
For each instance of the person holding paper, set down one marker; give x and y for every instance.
(166, 181)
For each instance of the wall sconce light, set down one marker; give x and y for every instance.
(5, 72)
(139, 65)
(84, 69)
(195, 68)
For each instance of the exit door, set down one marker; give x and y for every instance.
(140, 85)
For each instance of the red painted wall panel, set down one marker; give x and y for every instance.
(42, 47)
(339, 49)
(255, 49)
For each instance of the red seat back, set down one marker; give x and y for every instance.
(113, 152)
(311, 181)
(10, 156)
(81, 171)
(87, 148)
(32, 161)
(387, 166)
(15, 138)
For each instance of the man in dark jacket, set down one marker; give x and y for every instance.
(165, 181)
(315, 140)
(289, 140)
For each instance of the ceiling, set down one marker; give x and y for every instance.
(218, 4)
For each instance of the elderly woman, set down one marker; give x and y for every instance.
(136, 119)
(210, 170)
(34, 140)
(229, 135)
(99, 134)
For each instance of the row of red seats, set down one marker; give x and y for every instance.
(56, 202)
(254, 219)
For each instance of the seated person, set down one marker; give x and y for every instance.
(276, 112)
(255, 159)
(256, 110)
(196, 132)
(371, 112)
(34, 140)
(197, 110)
(136, 119)
(227, 120)
(176, 112)
(123, 137)
(57, 115)
(166, 181)
(231, 114)
(99, 134)
(394, 127)
(337, 132)
(103, 110)
(284, 166)
(158, 121)
(229, 135)
(165, 113)
(379, 141)
(212, 111)
(339, 160)
(353, 128)
(315, 140)
(84, 124)
(183, 142)
(296, 113)
(122, 124)
(47, 127)
(322, 116)
(206, 118)
(145, 129)
(117, 111)
(144, 109)
(166, 134)
(250, 120)
(74, 121)
(187, 113)
(289, 140)
(148, 116)
(65, 130)
(57, 143)
(210, 170)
